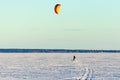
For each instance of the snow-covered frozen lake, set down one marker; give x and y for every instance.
(59, 66)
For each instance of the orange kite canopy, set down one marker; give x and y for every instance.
(57, 8)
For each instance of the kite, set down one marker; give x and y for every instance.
(57, 8)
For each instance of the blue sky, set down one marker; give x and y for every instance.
(81, 24)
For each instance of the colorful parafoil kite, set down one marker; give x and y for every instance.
(57, 8)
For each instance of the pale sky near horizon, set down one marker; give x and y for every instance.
(81, 24)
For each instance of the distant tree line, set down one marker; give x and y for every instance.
(56, 51)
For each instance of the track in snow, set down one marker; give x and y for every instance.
(87, 74)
